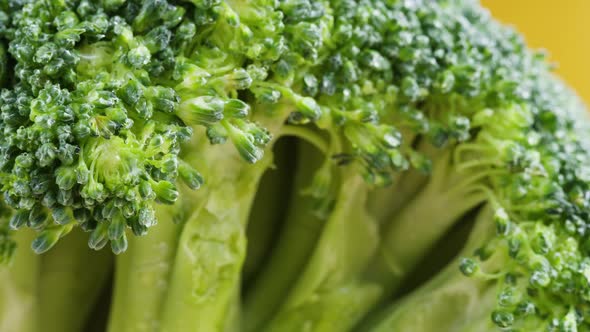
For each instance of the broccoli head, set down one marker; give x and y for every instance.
(409, 117)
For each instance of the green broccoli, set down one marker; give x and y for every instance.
(154, 127)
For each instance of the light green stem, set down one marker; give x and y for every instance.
(384, 203)
(119, 300)
(450, 301)
(416, 230)
(142, 273)
(205, 282)
(328, 295)
(71, 279)
(295, 244)
(206, 273)
(422, 222)
(19, 307)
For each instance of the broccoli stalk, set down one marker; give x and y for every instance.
(328, 293)
(211, 248)
(296, 241)
(330, 250)
(448, 302)
(146, 265)
(450, 193)
(19, 303)
(204, 284)
(321, 297)
(71, 278)
(453, 302)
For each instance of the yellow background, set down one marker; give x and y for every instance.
(561, 27)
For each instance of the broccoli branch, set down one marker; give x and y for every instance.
(71, 278)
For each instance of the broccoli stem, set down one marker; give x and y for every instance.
(424, 220)
(71, 279)
(386, 202)
(446, 301)
(328, 295)
(205, 282)
(19, 287)
(145, 266)
(454, 306)
(268, 209)
(121, 282)
(206, 273)
(295, 243)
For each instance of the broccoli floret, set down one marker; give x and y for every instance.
(88, 139)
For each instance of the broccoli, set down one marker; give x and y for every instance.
(286, 165)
